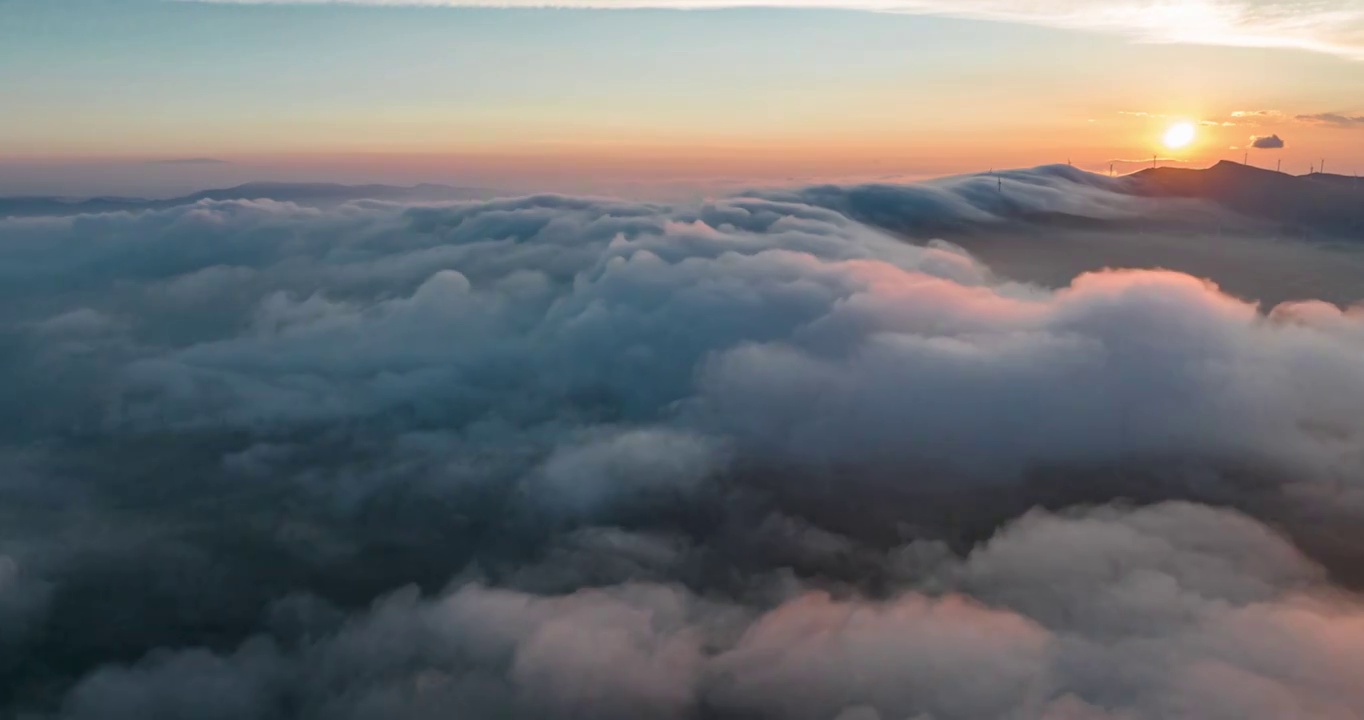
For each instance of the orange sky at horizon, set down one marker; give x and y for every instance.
(1127, 139)
(1126, 144)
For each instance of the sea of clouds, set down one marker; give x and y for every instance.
(558, 457)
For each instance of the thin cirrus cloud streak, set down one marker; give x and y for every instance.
(1334, 119)
(1328, 26)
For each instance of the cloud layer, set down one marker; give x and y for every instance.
(1329, 26)
(588, 458)
(1154, 616)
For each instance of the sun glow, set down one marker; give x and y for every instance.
(1179, 135)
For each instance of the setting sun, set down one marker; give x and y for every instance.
(1179, 135)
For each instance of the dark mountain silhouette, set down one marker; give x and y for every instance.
(318, 194)
(1346, 181)
(1318, 203)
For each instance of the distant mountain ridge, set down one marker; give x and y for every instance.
(320, 194)
(1332, 204)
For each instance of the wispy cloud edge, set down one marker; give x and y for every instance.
(1334, 27)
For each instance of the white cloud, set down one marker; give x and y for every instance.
(1329, 26)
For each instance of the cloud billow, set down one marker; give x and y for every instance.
(574, 457)
(1267, 142)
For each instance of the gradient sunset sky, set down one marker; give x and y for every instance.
(163, 96)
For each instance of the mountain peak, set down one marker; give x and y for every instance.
(1293, 200)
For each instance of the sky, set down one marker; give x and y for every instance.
(162, 96)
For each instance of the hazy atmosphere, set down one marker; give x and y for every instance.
(681, 359)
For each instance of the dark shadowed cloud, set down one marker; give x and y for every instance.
(1267, 142)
